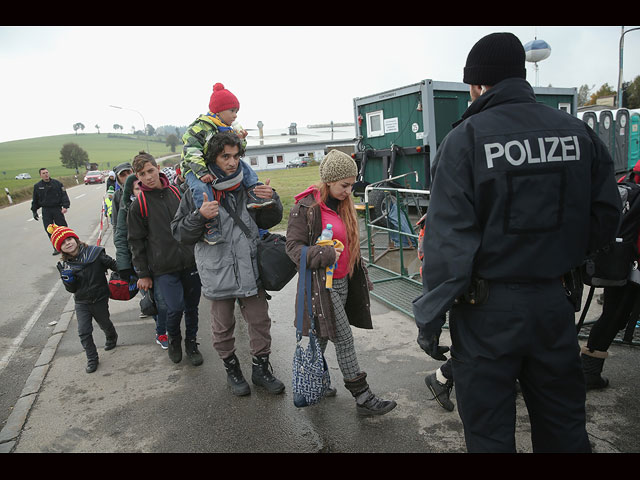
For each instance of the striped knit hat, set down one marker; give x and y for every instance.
(59, 234)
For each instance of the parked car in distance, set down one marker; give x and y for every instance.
(93, 176)
(298, 162)
(22, 176)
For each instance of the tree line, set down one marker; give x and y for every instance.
(630, 94)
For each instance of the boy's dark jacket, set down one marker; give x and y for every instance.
(154, 251)
(89, 268)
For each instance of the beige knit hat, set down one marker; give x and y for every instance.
(337, 165)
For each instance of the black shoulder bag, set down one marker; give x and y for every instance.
(275, 267)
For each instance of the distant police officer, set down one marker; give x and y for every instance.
(521, 192)
(51, 195)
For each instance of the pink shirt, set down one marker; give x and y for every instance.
(339, 231)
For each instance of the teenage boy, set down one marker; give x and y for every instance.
(160, 261)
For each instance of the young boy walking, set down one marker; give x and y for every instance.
(160, 261)
(195, 162)
(82, 270)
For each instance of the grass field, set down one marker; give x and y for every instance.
(288, 182)
(30, 155)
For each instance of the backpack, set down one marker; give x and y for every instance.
(142, 201)
(120, 289)
(615, 264)
(611, 265)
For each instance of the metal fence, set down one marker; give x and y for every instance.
(389, 247)
(391, 242)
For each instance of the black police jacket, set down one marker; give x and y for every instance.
(521, 192)
(49, 194)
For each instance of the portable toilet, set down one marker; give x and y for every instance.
(634, 139)
(621, 140)
(591, 119)
(605, 128)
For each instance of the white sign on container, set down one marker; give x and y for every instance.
(390, 125)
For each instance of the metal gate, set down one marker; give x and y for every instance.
(391, 242)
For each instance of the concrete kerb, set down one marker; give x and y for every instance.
(18, 417)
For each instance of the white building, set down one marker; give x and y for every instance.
(275, 148)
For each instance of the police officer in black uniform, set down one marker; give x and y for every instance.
(521, 193)
(51, 195)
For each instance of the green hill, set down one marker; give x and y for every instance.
(28, 156)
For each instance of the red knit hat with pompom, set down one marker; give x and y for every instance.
(59, 234)
(222, 99)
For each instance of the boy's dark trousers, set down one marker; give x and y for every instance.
(616, 313)
(524, 331)
(85, 313)
(181, 294)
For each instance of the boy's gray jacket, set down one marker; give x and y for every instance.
(228, 269)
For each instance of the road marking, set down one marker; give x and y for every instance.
(15, 345)
(79, 196)
(17, 342)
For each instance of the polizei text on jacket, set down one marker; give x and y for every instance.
(537, 150)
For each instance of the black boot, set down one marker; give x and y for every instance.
(92, 365)
(441, 391)
(191, 349)
(592, 364)
(91, 352)
(111, 340)
(367, 403)
(175, 348)
(235, 379)
(262, 375)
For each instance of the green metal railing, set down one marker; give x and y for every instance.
(395, 288)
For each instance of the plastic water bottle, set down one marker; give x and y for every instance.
(237, 128)
(327, 233)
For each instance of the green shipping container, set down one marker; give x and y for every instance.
(400, 130)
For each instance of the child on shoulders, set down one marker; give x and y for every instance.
(195, 164)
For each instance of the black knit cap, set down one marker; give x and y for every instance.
(494, 58)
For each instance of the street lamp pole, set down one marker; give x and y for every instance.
(144, 124)
(622, 34)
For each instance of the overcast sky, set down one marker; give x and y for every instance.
(53, 77)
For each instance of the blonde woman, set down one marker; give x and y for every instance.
(347, 303)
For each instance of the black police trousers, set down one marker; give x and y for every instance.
(53, 215)
(524, 331)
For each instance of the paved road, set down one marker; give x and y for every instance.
(138, 401)
(31, 293)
